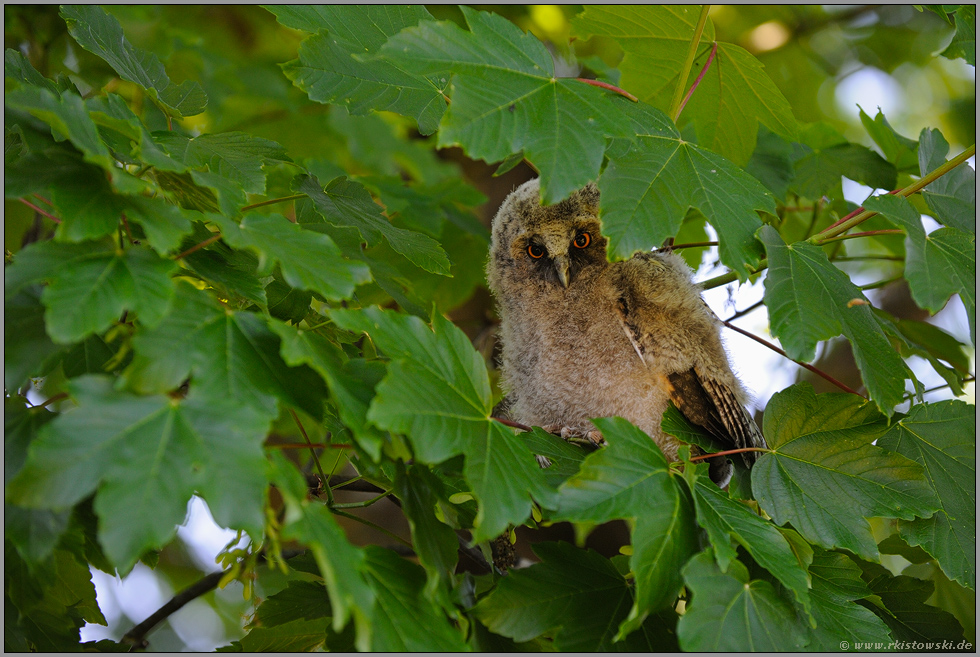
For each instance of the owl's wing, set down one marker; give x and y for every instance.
(711, 404)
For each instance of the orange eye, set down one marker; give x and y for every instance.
(582, 240)
(535, 251)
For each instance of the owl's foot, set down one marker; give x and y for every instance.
(591, 438)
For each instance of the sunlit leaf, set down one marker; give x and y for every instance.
(825, 477)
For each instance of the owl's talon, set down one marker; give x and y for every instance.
(543, 461)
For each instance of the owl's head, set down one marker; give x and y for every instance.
(555, 244)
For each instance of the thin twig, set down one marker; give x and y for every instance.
(137, 635)
(686, 69)
(208, 241)
(316, 460)
(711, 58)
(742, 313)
(39, 210)
(298, 445)
(372, 525)
(779, 351)
(725, 279)
(610, 87)
(51, 400)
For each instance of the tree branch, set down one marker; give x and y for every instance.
(137, 636)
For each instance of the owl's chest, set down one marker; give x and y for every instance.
(570, 359)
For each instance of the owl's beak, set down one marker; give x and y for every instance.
(561, 267)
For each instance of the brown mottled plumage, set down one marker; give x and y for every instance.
(585, 338)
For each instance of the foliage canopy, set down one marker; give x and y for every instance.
(241, 272)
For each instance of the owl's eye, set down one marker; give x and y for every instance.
(582, 240)
(535, 251)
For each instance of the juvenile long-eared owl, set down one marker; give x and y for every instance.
(585, 338)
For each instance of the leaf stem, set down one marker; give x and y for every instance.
(129, 233)
(779, 351)
(39, 210)
(610, 87)
(272, 201)
(869, 233)
(711, 58)
(297, 446)
(686, 70)
(860, 215)
(316, 459)
(688, 245)
(370, 524)
(211, 240)
(725, 279)
(741, 450)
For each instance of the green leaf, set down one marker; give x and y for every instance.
(101, 34)
(351, 381)
(300, 600)
(826, 156)
(345, 203)
(237, 156)
(730, 612)
(809, 300)
(233, 273)
(566, 459)
(165, 224)
(228, 355)
(90, 285)
(900, 151)
(437, 392)
(18, 67)
(900, 603)
(506, 99)
(837, 584)
(824, 476)
(342, 565)
(619, 482)
(941, 437)
(655, 41)
(401, 610)
(937, 265)
(952, 197)
(647, 191)
(578, 592)
(66, 115)
(332, 69)
(88, 206)
(725, 518)
(28, 351)
(434, 541)
(674, 423)
(732, 100)
(964, 43)
(309, 260)
(296, 636)
(147, 456)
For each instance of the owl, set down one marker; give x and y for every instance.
(584, 338)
